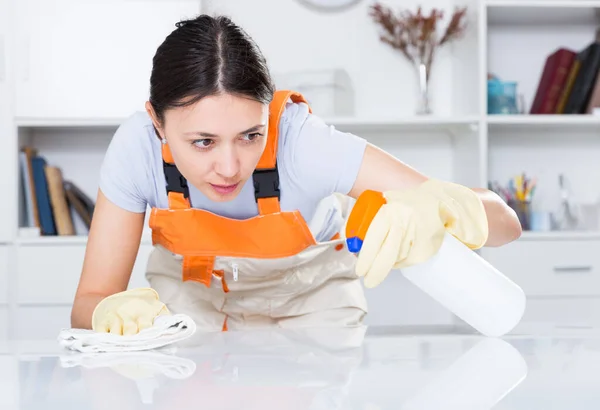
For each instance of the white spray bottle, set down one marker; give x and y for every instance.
(457, 277)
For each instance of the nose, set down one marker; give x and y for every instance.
(228, 163)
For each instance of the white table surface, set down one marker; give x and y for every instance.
(541, 367)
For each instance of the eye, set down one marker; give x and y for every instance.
(253, 136)
(203, 143)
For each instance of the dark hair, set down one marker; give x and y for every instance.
(207, 56)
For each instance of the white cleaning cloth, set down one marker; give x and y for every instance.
(167, 329)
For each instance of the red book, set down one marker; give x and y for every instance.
(553, 79)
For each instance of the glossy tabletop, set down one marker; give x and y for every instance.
(438, 368)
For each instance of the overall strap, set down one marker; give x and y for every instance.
(178, 191)
(266, 176)
(195, 268)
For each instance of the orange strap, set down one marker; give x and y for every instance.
(276, 109)
(224, 328)
(268, 160)
(221, 275)
(268, 206)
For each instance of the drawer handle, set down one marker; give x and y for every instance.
(572, 269)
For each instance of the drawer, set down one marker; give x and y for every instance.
(550, 268)
(566, 312)
(4, 323)
(4, 274)
(41, 323)
(50, 274)
(10, 379)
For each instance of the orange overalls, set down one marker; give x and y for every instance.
(270, 270)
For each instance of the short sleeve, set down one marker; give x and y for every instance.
(124, 168)
(319, 158)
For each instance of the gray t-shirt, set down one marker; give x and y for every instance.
(314, 160)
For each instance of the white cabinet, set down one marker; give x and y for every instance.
(4, 272)
(7, 157)
(40, 322)
(90, 58)
(49, 275)
(549, 268)
(560, 276)
(9, 381)
(46, 280)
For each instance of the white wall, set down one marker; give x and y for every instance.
(298, 37)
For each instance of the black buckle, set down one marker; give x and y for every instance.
(175, 181)
(266, 183)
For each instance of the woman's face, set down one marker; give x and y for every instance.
(217, 142)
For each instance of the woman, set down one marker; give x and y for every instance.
(247, 192)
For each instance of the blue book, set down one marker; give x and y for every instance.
(42, 194)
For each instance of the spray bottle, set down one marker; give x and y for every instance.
(456, 277)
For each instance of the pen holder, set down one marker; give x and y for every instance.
(523, 211)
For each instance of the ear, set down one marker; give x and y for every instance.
(155, 122)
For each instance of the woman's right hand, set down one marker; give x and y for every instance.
(128, 312)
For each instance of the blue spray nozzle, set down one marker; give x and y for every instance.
(354, 244)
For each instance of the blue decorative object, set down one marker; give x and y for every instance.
(502, 97)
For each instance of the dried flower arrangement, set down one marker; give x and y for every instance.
(417, 37)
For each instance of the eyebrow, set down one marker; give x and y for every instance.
(208, 134)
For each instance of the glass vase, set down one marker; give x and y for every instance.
(423, 76)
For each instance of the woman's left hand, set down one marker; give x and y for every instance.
(410, 227)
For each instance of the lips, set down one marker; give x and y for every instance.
(224, 189)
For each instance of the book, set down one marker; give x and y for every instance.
(579, 97)
(82, 205)
(594, 101)
(552, 81)
(58, 201)
(568, 87)
(42, 194)
(25, 161)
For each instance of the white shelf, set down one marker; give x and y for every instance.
(346, 122)
(548, 12)
(417, 123)
(67, 240)
(560, 235)
(52, 240)
(74, 123)
(561, 122)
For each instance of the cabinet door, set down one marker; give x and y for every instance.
(550, 268)
(49, 275)
(8, 182)
(4, 272)
(90, 58)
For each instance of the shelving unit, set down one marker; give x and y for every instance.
(460, 141)
(559, 270)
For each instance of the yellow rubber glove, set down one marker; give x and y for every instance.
(128, 312)
(410, 227)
